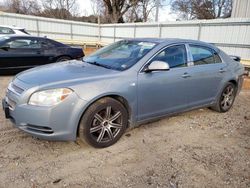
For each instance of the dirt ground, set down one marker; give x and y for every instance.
(200, 148)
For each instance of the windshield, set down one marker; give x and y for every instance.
(120, 55)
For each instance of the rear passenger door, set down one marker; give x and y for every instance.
(206, 73)
(49, 51)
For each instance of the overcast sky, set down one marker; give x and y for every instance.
(164, 14)
(86, 9)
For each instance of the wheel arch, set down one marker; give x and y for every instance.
(117, 97)
(60, 56)
(233, 81)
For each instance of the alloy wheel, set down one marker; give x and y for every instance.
(227, 97)
(106, 125)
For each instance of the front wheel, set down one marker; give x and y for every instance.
(226, 99)
(103, 123)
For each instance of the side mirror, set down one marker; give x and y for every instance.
(157, 66)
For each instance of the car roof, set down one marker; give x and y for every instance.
(11, 27)
(169, 41)
(21, 35)
(11, 36)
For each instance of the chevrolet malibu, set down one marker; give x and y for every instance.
(122, 85)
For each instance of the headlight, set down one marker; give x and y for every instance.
(49, 97)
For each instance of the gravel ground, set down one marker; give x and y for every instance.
(200, 148)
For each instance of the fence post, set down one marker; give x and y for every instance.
(71, 31)
(134, 30)
(114, 32)
(37, 28)
(159, 25)
(199, 31)
(99, 32)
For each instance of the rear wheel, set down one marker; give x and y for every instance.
(226, 99)
(63, 58)
(103, 123)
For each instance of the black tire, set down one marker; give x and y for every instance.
(63, 58)
(103, 123)
(226, 99)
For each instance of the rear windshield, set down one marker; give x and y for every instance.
(24, 31)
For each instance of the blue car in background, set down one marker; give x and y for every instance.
(122, 85)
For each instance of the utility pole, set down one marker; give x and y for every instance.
(157, 10)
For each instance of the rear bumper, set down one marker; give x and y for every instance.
(240, 83)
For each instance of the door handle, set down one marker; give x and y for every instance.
(222, 70)
(186, 75)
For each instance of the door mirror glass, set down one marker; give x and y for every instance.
(157, 66)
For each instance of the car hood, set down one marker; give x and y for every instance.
(66, 72)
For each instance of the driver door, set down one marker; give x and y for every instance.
(163, 92)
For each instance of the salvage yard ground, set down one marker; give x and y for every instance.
(200, 148)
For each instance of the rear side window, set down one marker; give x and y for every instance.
(47, 44)
(6, 30)
(203, 55)
(217, 58)
(175, 56)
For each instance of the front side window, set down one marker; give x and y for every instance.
(120, 55)
(203, 55)
(24, 43)
(175, 56)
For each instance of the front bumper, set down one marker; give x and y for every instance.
(59, 122)
(6, 109)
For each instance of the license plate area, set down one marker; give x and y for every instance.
(6, 109)
(7, 112)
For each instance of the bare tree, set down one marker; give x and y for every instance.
(202, 9)
(115, 9)
(144, 10)
(63, 9)
(22, 6)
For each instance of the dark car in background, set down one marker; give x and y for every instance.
(18, 53)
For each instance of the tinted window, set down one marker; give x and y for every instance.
(24, 43)
(202, 55)
(24, 31)
(5, 30)
(47, 44)
(175, 56)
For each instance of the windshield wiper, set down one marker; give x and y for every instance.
(98, 64)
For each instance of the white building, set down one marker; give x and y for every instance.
(241, 9)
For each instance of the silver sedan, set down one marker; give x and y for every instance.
(122, 85)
